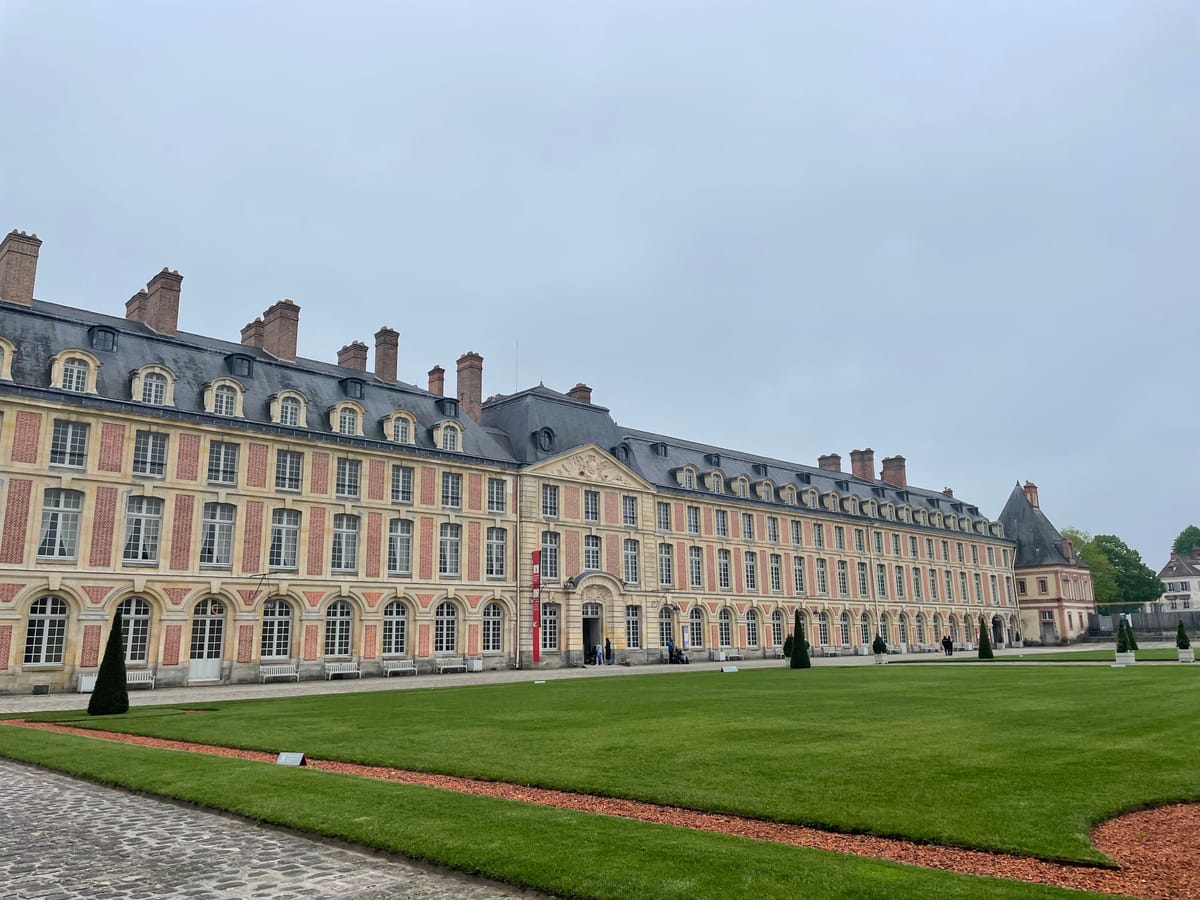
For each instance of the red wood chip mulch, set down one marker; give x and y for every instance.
(1158, 850)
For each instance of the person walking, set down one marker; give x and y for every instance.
(608, 654)
(948, 645)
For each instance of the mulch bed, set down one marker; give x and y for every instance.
(1157, 850)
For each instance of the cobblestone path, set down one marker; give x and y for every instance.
(70, 840)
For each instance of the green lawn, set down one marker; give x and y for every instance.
(1107, 655)
(566, 853)
(1024, 759)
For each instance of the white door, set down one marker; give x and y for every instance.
(208, 641)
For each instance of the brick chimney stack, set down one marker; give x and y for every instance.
(470, 384)
(437, 381)
(18, 266)
(894, 472)
(252, 334)
(353, 356)
(862, 464)
(580, 392)
(948, 492)
(281, 327)
(158, 305)
(830, 462)
(387, 354)
(1031, 494)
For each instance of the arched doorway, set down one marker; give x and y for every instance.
(997, 631)
(593, 629)
(208, 641)
(1014, 632)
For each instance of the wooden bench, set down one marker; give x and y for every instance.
(139, 676)
(278, 670)
(342, 668)
(451, 664)
(399, 667)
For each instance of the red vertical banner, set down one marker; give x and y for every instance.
(536, 600)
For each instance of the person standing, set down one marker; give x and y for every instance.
(948, 645)
(608, 654)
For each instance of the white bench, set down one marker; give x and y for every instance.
(342, 668)
(139, 676)
(399, 667)
(779, 653)
(451, 664)
(734, 654)
(830, 650)
(278, 670)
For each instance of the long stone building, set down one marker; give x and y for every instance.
(243, 507)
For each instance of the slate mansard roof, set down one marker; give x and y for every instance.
(1039, 543)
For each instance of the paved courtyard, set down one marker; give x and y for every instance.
(71, 840)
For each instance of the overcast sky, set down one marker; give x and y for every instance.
(965, 232)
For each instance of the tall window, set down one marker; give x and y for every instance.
(222, 463)
(402, 484)
(696, 627)
(725, 627)
(216, 534)
(629, 510)
(549, 626)
(135, 628)
(550, 555)
(751, 564)
(664, 516)
(666, 626)
(843, 578)
(666, 571)
(154, 389)
(493, 621)
(276, 630)
(912, 546)
(68, 446)
(839, 537)
(916, 583)
(395, 629)
(550, 500)
(777, 628)
(823, 627)
(449, 550)
(632, 569)
(881, 584)
(75, 375)
(143, 524)
(338, 620)
(950, 586)
(933, 585)
(150, 454)
(751, 628)
(818, 535)
(349, 473)
(860, 545)
(822, 577)
(591, 505)
(497, 495)
(225, 400)
(497, 552)
(60, 524)
(451, 490)
(693, 520)
(864, 630)
(591, 551)
(776, 572)
(718, 483)
(347, 420)
(400, 533)
(445, 628)
(844, 628)
(962, 584)
(899, 572)
(722, 517)
(289, 412)
(748, 526)
(46, 632)
(285, 539)
(695, 567)
(863, 580)
(633, 627)
(797, 533)
(289, 469)
(978, 588)
(798, 575)
(772, 529)
(345, 543)
(724, 566)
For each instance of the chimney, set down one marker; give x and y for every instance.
(948, 492)
(18, 266)
(252, 334)
(353, 356)
(387, 352)
(281, 327)
(862, 464)
(470, 384)
(1031, 494)
(580, 392)
(830, 462)
(135, 307)
(158, 305)
(894, 472)
(437, 381)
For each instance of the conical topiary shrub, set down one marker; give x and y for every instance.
(1132, 637)
(800, 658)
(879, 645)
(111, 696)
(1182, 641)
(1122, 638)
(985, 644)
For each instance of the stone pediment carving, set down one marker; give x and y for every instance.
(589, 465)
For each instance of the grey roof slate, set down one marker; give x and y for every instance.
(1182, 566)
(1039, 543)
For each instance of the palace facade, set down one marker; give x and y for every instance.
(243, 507)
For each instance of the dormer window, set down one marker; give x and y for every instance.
(224, 400)
(543, 438)
(832, 503)
(346, 418)
(852, 506)
(75, 375)
(289, 408)
(766, 490)
(741, 487)
(347, 421)
(713, 459)
(289, 411)
(153, 385)
(760, 469)
(842, 484)
(689, 478)
(400, 428)
(240, 366)
(804, 478)
(717, 483)
(6, 357)
(450, 438)
(352, 388)
(103, 339)
(154, 389)
(448, 406)
(659, 448)
(789, 495)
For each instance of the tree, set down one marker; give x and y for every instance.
(985, 645)
(1136, 583)
(1188, 540)
(879, 645)
(787, 647)
(1122, 638)
(1181, 638)
(800, 658)
(110, 697)
(1104, 577)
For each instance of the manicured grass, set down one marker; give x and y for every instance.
(1107, 655)
(566, 853)
(1024, 759)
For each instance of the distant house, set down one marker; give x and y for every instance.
(1054, 586)
(1181, 578)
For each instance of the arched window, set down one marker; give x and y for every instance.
(75, 375)
(395, 629)
(823, 627)
(493, 627)
(666, 626)
(920, 628)
(864, 630)
(46, 632)
(718, 483)
(696, 627)
(689, 479)
(903, 628)
(777, 628)
(154, 389)
(289, 412)
(338, 619)
(347, 420)
(449, 438)
(135, 628)
(276, 630)
(844, 628)
(225, 400)
(725, 628)
(400, 430)
(883, 627)
(751, 628)
(445, 630)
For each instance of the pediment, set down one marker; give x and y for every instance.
(592, 465)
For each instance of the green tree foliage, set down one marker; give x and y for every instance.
(1104, 577)
(1136, 583)
(111, 696)
(985, 643)
(787, 647)
(1188, 540)
(800, 659)
(879, 645)
(1181, 638)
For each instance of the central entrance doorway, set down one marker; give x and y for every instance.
(592, 633)
(208, 641)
